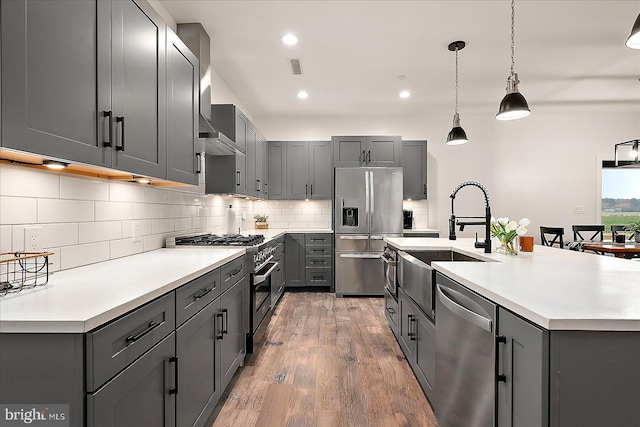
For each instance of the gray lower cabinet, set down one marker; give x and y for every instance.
(414, 163)
(143, 394)
(391, 312)
(85, 82)
(183, 160)
(232, 344)
(523, 396)
(360, 151)
(295, 260)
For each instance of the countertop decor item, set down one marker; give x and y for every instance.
(505, 233)
(261, 221)
(634, 227)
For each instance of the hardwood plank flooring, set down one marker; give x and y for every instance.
(326, 362)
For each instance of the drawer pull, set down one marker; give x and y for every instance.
(225, 321)
(391, 310)
(133, 338)
(221, 335)
(280, 289)
(203, 293)
(174, 390)
(234, 272)
(318, 278)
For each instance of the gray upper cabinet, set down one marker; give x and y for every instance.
(414, 163)
(250, 159)
(94, 88)
(262, 167)
(297, 170)
(277, 155)
(320, 170)
(183, 161)
(361, 151)
(308, 170)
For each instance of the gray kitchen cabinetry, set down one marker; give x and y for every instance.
(414, 163)
(85, 82)
(417, 337)
(277, 157)
(309, 171)
(523, 393)
(295, 260)
(319, 259)
(357, 151)
(183, 159)
(278, 277)
(262, 168)
(391, 312)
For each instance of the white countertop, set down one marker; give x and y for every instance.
(80, 299)
(554, 288)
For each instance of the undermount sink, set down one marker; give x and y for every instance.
(441, 255)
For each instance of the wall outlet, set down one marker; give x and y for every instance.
(578, 210)
(136, 232)
(33, 239)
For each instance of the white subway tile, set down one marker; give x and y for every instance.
(124, 247)
(154, 195)
(183, 224)
(20, 181)
(83, 189)
(17, 237)
(18, 210)
(99, 231)
(125, 192)
(152, 210)
(54, 260)
(153, 242)
(75, 256)
(56, 210)
(304, 218)
(5, 238)
(188, 211)
(162, 225)
(275, 224)
(204, 212)
(298, 224)
(65, 234)
(323, 218)
(198, 222)
(319, 224)
(113, 211)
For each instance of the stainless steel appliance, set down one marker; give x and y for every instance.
(407, 219)
(259, 264)
(465, 357)
(390, 257)
(367, 208)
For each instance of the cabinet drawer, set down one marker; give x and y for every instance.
(319, 276)
(196, 294)
(319, 250)
(319, 261)
(318, 239)
(114, 346)
(391, 311)
(232, 272)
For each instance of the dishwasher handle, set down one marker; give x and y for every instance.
(463, 312)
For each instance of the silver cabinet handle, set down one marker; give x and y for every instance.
(463, 312)
(108, 114)
(237, 177)
(361, 256)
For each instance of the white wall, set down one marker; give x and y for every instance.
(541, 167)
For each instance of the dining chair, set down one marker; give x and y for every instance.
(550, 236)
(615, 230)
(597, 230)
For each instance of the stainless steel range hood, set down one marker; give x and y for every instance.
(213, 142)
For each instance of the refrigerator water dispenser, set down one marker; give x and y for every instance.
(350, 212)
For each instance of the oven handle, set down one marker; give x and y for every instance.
(388, 261)
(259, 278)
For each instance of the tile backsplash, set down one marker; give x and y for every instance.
(84, 221)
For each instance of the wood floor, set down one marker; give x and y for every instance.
(326, 361)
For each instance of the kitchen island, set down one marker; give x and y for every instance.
(562, 336)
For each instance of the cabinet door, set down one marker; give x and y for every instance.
(277, 154)
(406, 326)
(139, 395)
(260, 174)
(349, 151)
(320, 170)
(295, 259)
(383, 150)
(251, 160)
(265, 170)
(425, 361)
(233, 337)
(297, 170)
(241, 161)
(523, 360)
(198, 382)
(182, 112)
(138, 88)
(414, 164)
(52, 103)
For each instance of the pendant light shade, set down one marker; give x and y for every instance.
(634, 38)
(457, 136)
(513, 106)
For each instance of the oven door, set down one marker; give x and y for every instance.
(261, 293)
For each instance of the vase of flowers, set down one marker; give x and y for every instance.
(261, 221)
(506, 232)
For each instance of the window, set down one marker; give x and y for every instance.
(620, 196)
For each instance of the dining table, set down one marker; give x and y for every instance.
(627, 249)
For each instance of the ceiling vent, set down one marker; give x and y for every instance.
(296, 66)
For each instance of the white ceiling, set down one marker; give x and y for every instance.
(352, 52)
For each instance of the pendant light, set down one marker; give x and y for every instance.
(457, 135)
(513, 105)
(634, 38)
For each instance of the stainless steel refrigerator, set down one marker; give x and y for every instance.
(367, 207)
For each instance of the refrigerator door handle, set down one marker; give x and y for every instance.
(377, 237)
(361, 256)
(353, 237)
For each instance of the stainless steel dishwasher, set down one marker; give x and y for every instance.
(465, 357)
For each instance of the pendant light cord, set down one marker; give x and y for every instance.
(513, 30)
(456, 80)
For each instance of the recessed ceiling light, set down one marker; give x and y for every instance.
(405, 94)
(54, 164)
(289, 39)
(303, 95)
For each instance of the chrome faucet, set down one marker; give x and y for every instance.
(487, 218)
